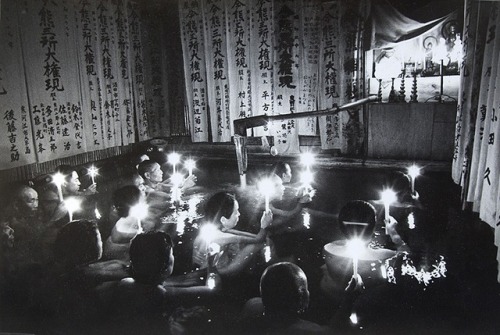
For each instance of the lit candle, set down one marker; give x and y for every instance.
(355, 248)
(307, 218)
(140, 212)
(414, 172)
(58, 179)
(176, 180)
(72, 205)
(92, 171)
(266, 187)
(388, 197)
(307, 159)
(306, 178)
(174, 158)
(267, 253)
(190, 164)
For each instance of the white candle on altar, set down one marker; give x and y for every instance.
(190, 164)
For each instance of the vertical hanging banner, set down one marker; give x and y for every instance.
(329, 95)
(261, 46)
(240, 76)
(137, 72)
(309, 68)
(54, 89)
(88, 59)
(491, 184)
(156, 74)
(191, 22)
(16, 146)
(286, 74)
(218, 83)
(483, 124)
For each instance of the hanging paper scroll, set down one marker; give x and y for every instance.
(137, 72)
(286, 74)
(54, 89)
(191, 21)
(309, 68)
(262, 47)
(156, 76)
(240, 71)
(491, 132)
(16, 146)
(330, 72)
(221, 84)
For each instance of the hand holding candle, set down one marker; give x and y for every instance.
(266, 187)
(190, 165)
(140, 212)
(72, 205)
(93, 171)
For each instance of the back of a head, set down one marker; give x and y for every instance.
(280, 168)
(124, 198)
(219, 205)
(150, 256)
(283, 288)
(357, 219)
(400, 183)
(66, 171)
(145, 166)
(78, 243)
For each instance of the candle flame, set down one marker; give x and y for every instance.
(58, 179)
(174, 158)
(139, 211)
(307, 159)
(414, 171)
(93, 171)
(388, 196)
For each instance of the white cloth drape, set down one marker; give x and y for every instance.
(476, 162)
(73, 79)
(249, 57)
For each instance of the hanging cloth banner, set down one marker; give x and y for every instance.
(88, 61)
(286, 74)
(137, 72)
(330, 71)
(16, 146)
(261, 41)
(191, 22)
(390, 27)
(155, 67)
(54, 89)
(309, 68)
(490, 210)
(240, 71)
(485, 120)
(221, 83)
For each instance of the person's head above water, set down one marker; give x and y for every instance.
(150, 171)
(284, 290)
(357, 219)
(222, 209)
(283, 170)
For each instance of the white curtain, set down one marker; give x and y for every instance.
(73, 79)
(476, 161)
(249, 57)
